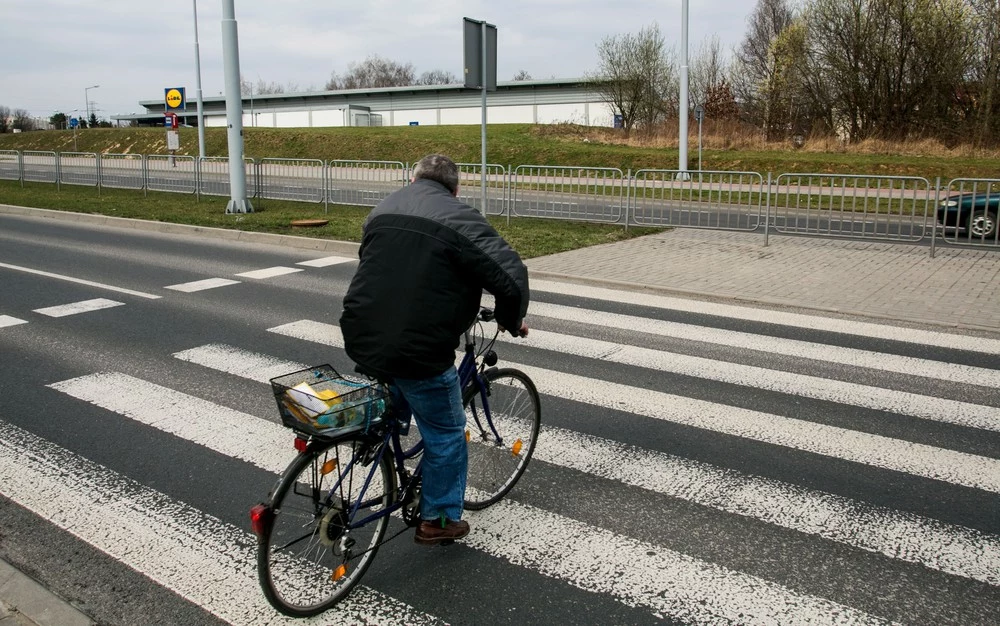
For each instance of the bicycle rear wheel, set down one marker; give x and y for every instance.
(310, 556)
(502, 433)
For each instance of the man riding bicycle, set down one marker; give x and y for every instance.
(426, 258)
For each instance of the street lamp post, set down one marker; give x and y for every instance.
(197, 70)
(86, 99)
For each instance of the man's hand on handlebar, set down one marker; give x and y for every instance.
(521, 332)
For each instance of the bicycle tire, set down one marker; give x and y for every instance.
(495, 465)
(300, 554)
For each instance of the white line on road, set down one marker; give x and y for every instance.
(80, 281)
(202, 559)
(201, 285)
(327, 261)
(84, 306)
(7, 320)
(777, 345)
(635, 573)
(904, 403)
(897, 455)
(900, 535)
(813, 322)
(270, 272)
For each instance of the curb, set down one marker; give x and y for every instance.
(291, 241)
(25, 602)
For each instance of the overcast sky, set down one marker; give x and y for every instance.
(53, 49)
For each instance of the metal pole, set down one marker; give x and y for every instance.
(483, 149)
(238, 202)
(86, 99)
(699, 144)
(682, 113)
(197, 72)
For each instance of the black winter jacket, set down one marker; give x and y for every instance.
(426, 257)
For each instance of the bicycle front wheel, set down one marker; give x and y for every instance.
(502, 432)
(319, 544)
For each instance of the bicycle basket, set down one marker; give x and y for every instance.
(318, 401)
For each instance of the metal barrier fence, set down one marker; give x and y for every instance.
(885, 208)
(176, 174)
(470, 187)
(40, 166)
(79, 168)
(10, 165)
(364, 183)
(593, 194)
(213, 176)
(893, 208)
(302, 180)
(122, 171)
(707, 199)
(968, 209)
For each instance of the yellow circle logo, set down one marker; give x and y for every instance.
(174, 98)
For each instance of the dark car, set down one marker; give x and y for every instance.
(976, 213)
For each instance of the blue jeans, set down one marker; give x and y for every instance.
(436, 404)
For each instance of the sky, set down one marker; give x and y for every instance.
(52, 50)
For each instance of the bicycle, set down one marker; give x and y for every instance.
(328, 514)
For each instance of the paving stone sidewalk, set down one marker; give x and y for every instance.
(958, 287)
(24, 602)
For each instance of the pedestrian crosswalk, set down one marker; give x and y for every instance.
(606, 376)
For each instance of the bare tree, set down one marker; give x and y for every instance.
(889, 68)
(22, 120)
(708, 69)
(4, 119)
(373, 72)
(437, 77)
(753, 67)
(522, 75)
(260, 88)
(635, 77)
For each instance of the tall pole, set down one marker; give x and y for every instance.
(197, 72)
(483, 149)
(238, 202)
(86, 100)
(682, 113)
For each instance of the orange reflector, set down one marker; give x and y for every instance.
(339, 572)
(328, 467)
(516, 448)
(468, 435)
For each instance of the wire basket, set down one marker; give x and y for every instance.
(320, 402)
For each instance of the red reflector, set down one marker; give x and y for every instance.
(301, 444)
(260, 518)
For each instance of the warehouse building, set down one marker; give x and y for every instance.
(515, 102)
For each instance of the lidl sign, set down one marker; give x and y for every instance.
(175, 99)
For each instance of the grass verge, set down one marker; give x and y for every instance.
(530, 237)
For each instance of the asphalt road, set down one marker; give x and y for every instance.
(695, 466)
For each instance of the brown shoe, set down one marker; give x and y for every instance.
(432, 533)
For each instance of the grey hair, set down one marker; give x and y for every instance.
(438, 167)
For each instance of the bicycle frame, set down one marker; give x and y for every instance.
(468, 373)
